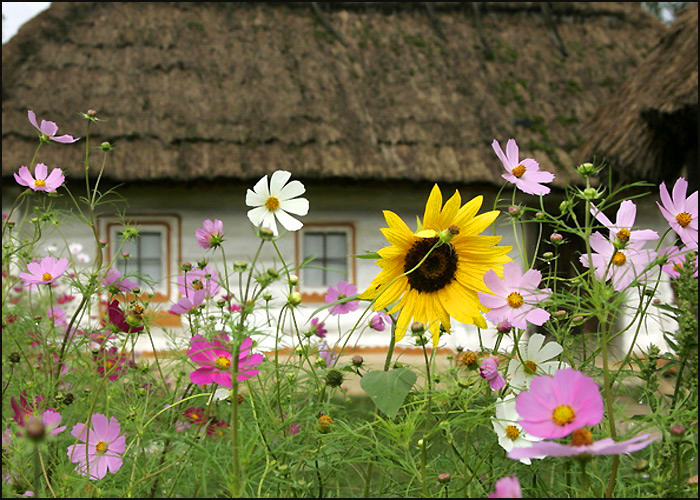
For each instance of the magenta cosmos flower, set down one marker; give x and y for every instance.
(113, 363)
(621, 265)
(342, 291)
(47, 270)
(624, 222)
(206, 279)
(49, 129)
(681, 212)
(24, 410)
(525, 174)
(582, 444)
(556, 406)
(489, 371)
(189, 304)
(513, 300)
(507, 487)
(41, 181)
(211, 234)
(113, 278)
(214, 358)
(379, 321)
(102, 450)
(676, 261)
(318, 328)
(118, 321)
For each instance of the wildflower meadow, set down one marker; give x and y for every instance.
(542, 413)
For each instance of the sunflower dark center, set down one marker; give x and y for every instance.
(436, 272)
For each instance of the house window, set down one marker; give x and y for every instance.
(331, 246)
(146, 258)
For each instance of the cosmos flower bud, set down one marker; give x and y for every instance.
(357, 360)
(539, 215)
(324, 424)
(14, 357)
(565, 206)
(273, 273)
(266, 234)
(186, 267)
(417, 327)
(504, 327)
(548, 255)
(586, 169)
(106, 146)
(514, 211)
(560, 314)
(294, 299)
(444, 478)
(556, 238)
(293, 279)
(590, 193)
(91, 112)
(36, 429)
(240, 266)
(267, 296)
(677, 430)
(201, 264)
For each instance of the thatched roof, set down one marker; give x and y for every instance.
(650, 127)
(369, 90)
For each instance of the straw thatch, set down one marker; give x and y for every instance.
(649, 130)
(369, 90)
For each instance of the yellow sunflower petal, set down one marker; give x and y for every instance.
(449, 211)
(431, 217)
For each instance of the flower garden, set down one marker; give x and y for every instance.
(83, 416)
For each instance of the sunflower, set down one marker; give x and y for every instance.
(446, 283)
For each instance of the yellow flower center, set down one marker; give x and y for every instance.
(467, 358)
(678, 267)
(194, 416)
(530, 367)
(619, 259)
(197, 285)
(109, 364)
(563, 414)
(623, 234)
(223, 363)
(512, 432)
(46, 277)
(42, 183)
(272, 204)
(101, 447)
(515, 300)
(684, 219)
(581, 437)
(519, 171)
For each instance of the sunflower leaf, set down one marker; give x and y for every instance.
(389, 389)
(367, 255)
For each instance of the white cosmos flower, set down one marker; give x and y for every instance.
(535, 362)
(221, 394)
(75, 248)
(275, 201)
(505, 424)
(83, 258)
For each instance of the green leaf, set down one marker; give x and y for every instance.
(367, 255)
(388, 390)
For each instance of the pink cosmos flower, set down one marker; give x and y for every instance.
(24, 410)
(318, 328)
(97, 339)
(327, 354)
(194, 415)
(113, 278)
(294, 429)
(118, 320)
(103, 448)
(57, 315)
(342, 291)
(489, 371)
(556, 406)
(216, 427)
(514, 299)
(65, 298)
(42, 182)
(49, 129)
(188, 304)
(507, 487)
(525, 174)
(214, 358)
(47, 270)
(197, 280)
(624, 222)
(627, 263)
(235, 307)
(379, 320)
(114, 363)
(211, 234)
(52, 421)
(681, 212)
(676, 261)
(583, 444)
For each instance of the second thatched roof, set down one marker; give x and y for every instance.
(365, 91)
(649, 129)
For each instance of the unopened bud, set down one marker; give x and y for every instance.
(36, 429)
(201, 264)
(677, 430)
(560, 314)
(267, 296)
(548, 255)
(293, 279)
(565, 206)
(504, 327)
(10, 224)
(126, 255)
(417, 327)
(105, 146)
(590, 193)
(444, 478)
(514, 211)
(240, 266)
(357, 360)
(186, 267)
(266, 234)
(539, 215)
(579, 319)
(641, 466)
(294, 299)
(91, 112)
(556, 238)
(273, 273)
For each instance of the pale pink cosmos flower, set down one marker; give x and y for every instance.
(113, 278)
(621, 230)
(342, 291)
(379, 321)
(40, 181)
(328, 354)
(489, 371)
(49, 129)
(103, 448)
(214, 359)
(507, 487)
(47, 270)
(188, 304)
(52, 422)
(676, 261)
(514, 299)
(556, 406)
(211, 234)
(57, 316)
(680, 212)
(196, 279)
(622, 266)
(525, 174)
(582, 444)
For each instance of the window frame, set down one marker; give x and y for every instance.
(316, 294)
(161, 228)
